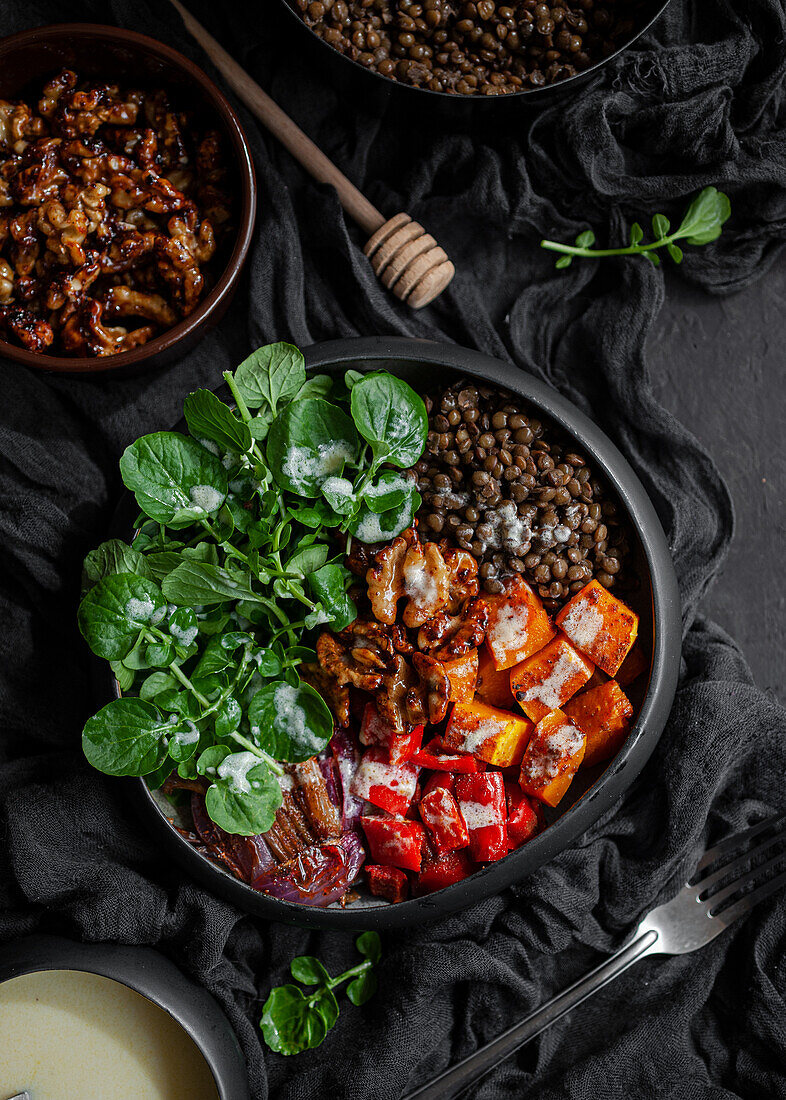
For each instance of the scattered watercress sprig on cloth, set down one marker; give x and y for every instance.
(702, 223)
(237, 557)
(294, 1021)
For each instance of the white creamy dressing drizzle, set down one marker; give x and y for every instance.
(510, 627)
(206, 497)
(305, 464)
(235, 768)
(375, 773)
(292, 718)
(419, 583)
(557, 747)
(477, 816)
(183, 636)
(339, 486)
(139, 610)
(583, 624)
(187, 736)
(476, 735)
(210, 445)
(510, 531)
(551, 692)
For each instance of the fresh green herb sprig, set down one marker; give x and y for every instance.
(294, 1021)
(702, 223)
(238, 555)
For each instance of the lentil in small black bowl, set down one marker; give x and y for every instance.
(474, 50)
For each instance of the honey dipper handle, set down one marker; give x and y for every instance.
(281, 126)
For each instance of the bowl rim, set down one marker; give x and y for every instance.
(153, 976)
(374, 353)
(525, 94)
(247, 201)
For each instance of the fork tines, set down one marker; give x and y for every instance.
(730, 901)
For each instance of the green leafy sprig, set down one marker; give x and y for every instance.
(702, 223)
(294, 1021)
(238, 555)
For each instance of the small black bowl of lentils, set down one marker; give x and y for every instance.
(477, 49)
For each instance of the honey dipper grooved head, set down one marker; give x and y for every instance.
(409, 261)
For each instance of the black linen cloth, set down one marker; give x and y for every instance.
(699, 101)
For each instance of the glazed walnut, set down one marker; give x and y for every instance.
(112, 207)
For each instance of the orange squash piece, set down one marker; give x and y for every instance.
(493, 684)
(549, 678)
(462, 673)
(493, 735)
(634, 665)
(552, 758)
(518, 624)
(603, 714)
(600, 626)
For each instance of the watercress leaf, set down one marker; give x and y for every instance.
(159, 654)
(183, 740)
(155, 683)
(168, 472)
(319, 385)
(290, 723)
(308, 559)
(327, 585)
(675, 252)
(213, 621)
(209, 418)
(126, 737)
(244, 795)
(301, 654)
(178, 701)
(183, 626)
(320, 515)
(309, 442)
(109, 558)
(362, 988)
(391, 417)
(326, 1005)
(136, 659)
(125, 676)
(288, 1025)
(390, 490)
(339, 492)
(308, 970)
(585, 239)
(228, 717)
(156, 779)
(651, 256)
(224, 524)
(268, 662)
(161, 564)
(194, 584)
(372, 527)
(351, 377)
(114, 612)
(215, 658)
(704, 218)
(636, 233)
(660, 226)
(564, 261)
(271, 376)
(259, 425)
(369, 945)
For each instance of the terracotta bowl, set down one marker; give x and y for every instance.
(655, 598)
(95, 51)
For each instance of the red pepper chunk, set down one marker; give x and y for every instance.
(375, 731)
(441, 817)
(389, 786)
(444, 871)
(445, 780)
(387, 882)
(524, 817)
(435, 757)
(481, 799)
(394, 842)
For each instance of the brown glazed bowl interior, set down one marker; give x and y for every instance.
(111, 53)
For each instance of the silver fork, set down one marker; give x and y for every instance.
(705, 906)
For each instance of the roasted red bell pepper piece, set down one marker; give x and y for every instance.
(375, 731)
(438, 758)
(481, 799)
(389, 786)
(524, 817)
(441, 816)
(436, 874)
(439, 780)
(394, 841)
(387, 882)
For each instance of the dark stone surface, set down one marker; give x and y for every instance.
(718, 364)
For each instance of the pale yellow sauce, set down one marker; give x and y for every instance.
(65, 1035)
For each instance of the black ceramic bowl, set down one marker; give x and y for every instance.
(425, 364)
(356, 77)
(154, 977)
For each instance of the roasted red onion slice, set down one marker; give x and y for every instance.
(246, 856)
(347, 758)
(318, 876)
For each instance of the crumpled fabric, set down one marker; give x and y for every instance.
(698, 101)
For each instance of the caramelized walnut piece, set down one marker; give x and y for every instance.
(403, 568)
(434, 685)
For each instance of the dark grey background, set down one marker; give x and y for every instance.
(717, 364)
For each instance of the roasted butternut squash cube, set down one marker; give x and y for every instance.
(493, 685)
(493, 735)
(552, 757)
(634, 665)
(603, 714)
(518, 624)
(549, 678)
(600, 626)
(462, 674)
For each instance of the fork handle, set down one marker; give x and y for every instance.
(459, 1077)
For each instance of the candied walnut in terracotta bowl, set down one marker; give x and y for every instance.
(127, 200)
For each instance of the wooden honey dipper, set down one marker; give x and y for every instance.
(404, 256)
